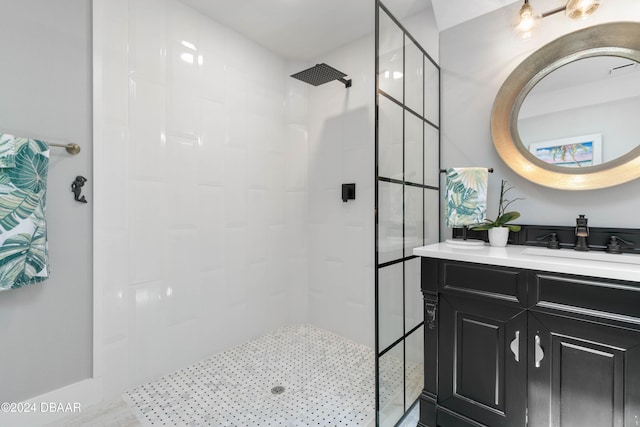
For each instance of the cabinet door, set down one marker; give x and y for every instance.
(582, 373)
(482, 356)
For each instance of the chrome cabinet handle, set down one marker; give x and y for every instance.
(539, 353)
(515, 346)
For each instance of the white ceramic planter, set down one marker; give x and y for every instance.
(498, 236)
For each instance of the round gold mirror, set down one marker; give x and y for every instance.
(568, 157)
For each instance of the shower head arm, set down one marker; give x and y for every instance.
(347, 83)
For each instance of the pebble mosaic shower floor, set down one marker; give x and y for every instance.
(327, 381)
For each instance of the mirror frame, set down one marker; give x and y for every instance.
(613, 39)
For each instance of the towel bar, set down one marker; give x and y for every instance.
(444, 170)
(71, 148)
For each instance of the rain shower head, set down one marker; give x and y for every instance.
(321, 74)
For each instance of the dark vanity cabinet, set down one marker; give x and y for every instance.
(519, 347)
(585, 346)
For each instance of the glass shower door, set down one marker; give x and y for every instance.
(407, 208)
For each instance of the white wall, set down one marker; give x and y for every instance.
(45, 87)
(297, 198)
(424, 29)
(202, 192)
(476, 57)
(341, 235)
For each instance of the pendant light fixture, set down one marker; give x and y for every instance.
(574, 9)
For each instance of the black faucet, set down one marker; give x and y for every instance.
(553, 242)
(616, 244)
(582, 231)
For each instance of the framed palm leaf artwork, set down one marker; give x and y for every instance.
(574, 152)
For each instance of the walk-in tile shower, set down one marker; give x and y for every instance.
(229, 202)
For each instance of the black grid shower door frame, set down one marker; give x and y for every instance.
(405, 109)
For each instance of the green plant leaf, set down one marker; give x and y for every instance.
(486, 226)
(482, 227)
(507, 216)
(514, 228)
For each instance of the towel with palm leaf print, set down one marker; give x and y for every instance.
(466, 196)
(7, 151)
(23, 229)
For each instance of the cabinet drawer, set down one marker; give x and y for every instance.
(501, 283)
(616, 300)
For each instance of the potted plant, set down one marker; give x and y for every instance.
(499, 228)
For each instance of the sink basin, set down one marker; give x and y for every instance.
(586, 256)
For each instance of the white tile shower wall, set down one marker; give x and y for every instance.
(204, 178)
(296, 202)
(341, 150)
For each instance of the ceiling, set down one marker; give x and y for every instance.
(307, 29)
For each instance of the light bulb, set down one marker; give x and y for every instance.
(580, 9)
(529, 20)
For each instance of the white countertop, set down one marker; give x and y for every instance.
(558, 260)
